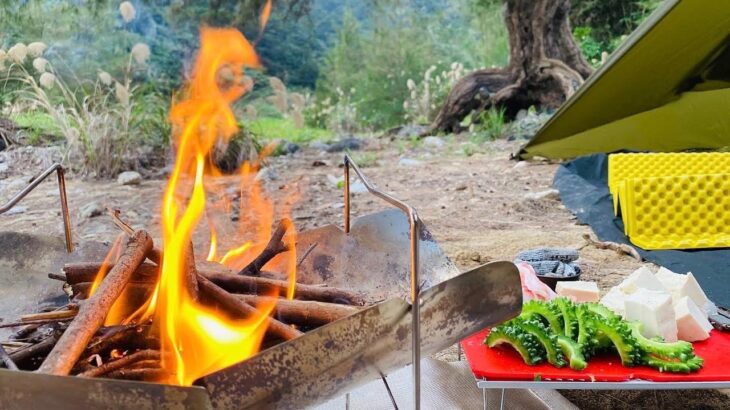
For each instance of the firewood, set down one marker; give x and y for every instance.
(620, 248)
(121, 363)
(130, 336)
(34, 322)
(144, 374)
(22, 357)
(275, 246)
(254, 285)
(57, 314)
(190, 272)
(303, 312)
(6, 359)
(226, 278)
(240, 308)
(92, 313)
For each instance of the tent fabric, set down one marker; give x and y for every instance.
(678, 59)
(583, 187)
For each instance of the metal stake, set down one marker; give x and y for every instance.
(62, 194)
(415, 225)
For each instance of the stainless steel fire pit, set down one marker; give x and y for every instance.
(389, 256)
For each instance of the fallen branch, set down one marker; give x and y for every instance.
(155, 255)
(121, 363)
(620, 248)
(275, 246)
(242, 309)
(92, 313)
(303, 312)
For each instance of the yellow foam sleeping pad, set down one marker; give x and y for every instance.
(672, 200)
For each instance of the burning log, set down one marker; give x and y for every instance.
(78, 273)
(92, 313)
(143, 374)
(275, 246)
(303, 312)
(241, 308)
(121, 363)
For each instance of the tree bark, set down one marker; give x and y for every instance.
(545, 66)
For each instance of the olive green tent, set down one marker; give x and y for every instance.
(667, 88)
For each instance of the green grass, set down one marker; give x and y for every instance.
(40, 126)
(283, 128)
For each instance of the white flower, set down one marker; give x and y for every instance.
(122, 93)
(140, 52)
(126, 9)
(47, 80)
(18, 52)
(40, 64)
(36, 49)
(105, 78)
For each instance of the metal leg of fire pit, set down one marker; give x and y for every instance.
(61, 192)
(415, 224)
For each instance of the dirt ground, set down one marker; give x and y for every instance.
(475, 206)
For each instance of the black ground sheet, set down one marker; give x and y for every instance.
(583, 186)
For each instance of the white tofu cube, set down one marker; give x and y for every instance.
(685, 285)
(692, 325)
(614, 300)
(655, 311)
(641, 278)
(578, 291)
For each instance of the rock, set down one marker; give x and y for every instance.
(266, 174)
(550, 194)
(91, 210)
(319, 146)
(320, 163)
(16, 210)
(408, 162)
(527, 123)
(433, 142)
(412, 130)
(346, 144)
(468, 257)
(286, 147)
(129, 178)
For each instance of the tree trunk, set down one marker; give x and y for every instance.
(545, 66)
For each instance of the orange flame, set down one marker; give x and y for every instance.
(111, 256)
(197, 340)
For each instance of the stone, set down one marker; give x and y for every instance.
(319, 146)
(286, 147)
(433, 142)
(550, 194)
(91, 210)
(408, 162)
(346, 144)
(411, 130)
(129, 178)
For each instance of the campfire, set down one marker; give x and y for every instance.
(172, 320)
(283, 318)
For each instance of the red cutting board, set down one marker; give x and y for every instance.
(503, 363)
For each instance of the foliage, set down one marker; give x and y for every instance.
(490, 125)
(279, 128)
(601, 25)
(375, 73)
